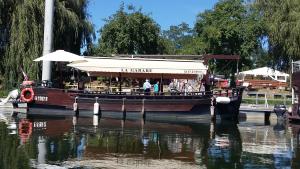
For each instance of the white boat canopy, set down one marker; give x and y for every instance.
(267, 72)
(60, 56)
(142, 67)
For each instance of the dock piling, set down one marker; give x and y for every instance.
(212, 109)
(95, 121)
(75, 107)
(267, 117)
(124, 109)
(97, 109)
(143, 109)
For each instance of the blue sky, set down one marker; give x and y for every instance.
(164, 12)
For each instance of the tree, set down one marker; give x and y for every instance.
(129, 32)
(182, 40)
(282, 20)
(72, 30)
(231, 27)
(6, 8)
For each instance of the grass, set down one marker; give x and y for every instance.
(262, 101)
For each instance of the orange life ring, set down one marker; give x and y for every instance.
(27, 95)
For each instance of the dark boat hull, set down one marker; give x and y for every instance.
(59, 99)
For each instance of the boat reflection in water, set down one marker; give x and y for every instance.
(73, 142)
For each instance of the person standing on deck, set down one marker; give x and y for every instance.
(156, 88)
(147, 87)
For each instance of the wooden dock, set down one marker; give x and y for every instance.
(256, 108)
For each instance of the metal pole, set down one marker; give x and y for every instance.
(48, 37)
(237, 68)
(293, 92)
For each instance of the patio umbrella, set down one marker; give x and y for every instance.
(60, 56)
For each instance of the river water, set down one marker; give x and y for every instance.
(71, 142)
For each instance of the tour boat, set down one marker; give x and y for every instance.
(207, 103)
(295, 113)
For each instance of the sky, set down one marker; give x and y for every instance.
(164, 12)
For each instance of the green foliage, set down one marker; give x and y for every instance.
(129, 32)
(283, 29)
(11, 155)
(25, 41)
(231, 27)
(181, 39)
(6, 8)
(72, 30)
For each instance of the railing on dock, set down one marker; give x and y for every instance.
(267, 99)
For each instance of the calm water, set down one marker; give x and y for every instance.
(70, 142)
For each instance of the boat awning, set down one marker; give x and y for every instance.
(141, 67)
(60, 56)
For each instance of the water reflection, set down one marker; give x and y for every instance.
(72, 142)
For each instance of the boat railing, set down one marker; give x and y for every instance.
(162, 95)
(142, 95)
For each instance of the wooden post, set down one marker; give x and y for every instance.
(75, 107)
(124, 109)
(120, 80)
(97, 109)
(95, 121)
(143, 109)
(256, 100)
(267, 117)
(212, 109)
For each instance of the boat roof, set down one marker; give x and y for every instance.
(141, 67)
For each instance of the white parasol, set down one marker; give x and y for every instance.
(60, 56)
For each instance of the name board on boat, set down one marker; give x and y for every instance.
(193, 71)
(41, 98)
(136, 70)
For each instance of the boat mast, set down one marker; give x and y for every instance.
(48, 37)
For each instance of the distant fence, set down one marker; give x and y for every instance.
(267, 98)
(260, 84)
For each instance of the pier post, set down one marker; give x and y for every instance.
(95, 121)
(212, 109)
(97, 109)
(122, 126)
(143, 109)
(124, 109)
(75, 107)
(256, 100)
(267, 117)
(212, 130)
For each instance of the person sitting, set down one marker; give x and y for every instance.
(147, 87)
(172, 88)
(156, 88)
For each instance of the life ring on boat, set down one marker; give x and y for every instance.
(27, 95)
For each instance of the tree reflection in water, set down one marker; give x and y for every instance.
(126, 143)
(12, 154)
